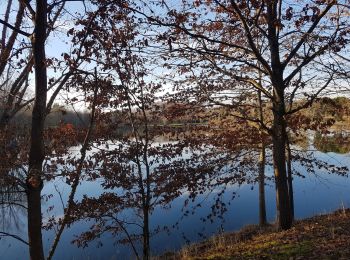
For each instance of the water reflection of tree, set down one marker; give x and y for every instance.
(12, 180)
(12, 203)
(336, 143)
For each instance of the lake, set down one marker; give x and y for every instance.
(315, 194)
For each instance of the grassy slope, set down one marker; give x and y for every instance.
(320, 237)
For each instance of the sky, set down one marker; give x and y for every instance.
(58, 42)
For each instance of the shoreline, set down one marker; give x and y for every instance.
(324, 236)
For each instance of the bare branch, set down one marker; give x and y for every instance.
(26, 3)
(15, 29)
(4, 30)
(250, 38)
(312, 99)
(5, 234)
(306, 34)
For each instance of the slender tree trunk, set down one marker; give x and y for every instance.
(84, 147)
(6, 48)
(4, 56)
(145, 193)
(146, 236)
(6, 19)
(262, 159)
(11, 105)
(279, 162)
(262, 204)
(290, 180)
(36, 155)
(146, 244)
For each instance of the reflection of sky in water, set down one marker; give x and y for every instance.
(313, 195)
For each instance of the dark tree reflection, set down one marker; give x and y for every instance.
(12, 177)
(336, 143)
(12, 201)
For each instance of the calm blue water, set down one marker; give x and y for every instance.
(315, 194)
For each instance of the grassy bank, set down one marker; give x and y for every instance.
(319, 237)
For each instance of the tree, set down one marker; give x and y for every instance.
(14, 101)
(137, 172)
(261, 163)
(17, 59)
(8, 52)
(79, 168)
(223, 46)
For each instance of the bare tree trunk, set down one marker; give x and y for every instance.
(262, 204)
(16, 92)
(279, 124)
(5, 52)
(37, 154)
(146, 236)
(7, 47)
(85, 146)
(279, 162)
(145, 193)
(146, 244)
(290, 180)
(4, 30)
(262, 159)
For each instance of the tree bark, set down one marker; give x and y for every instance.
(36, 154)
(34, 222)
(279, 162)
(290, 180)
(279, 124)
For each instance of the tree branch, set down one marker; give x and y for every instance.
(250, 38)
(26, 3)
(312, 99)
(306, 34)
(15, 29)
(13, 236)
